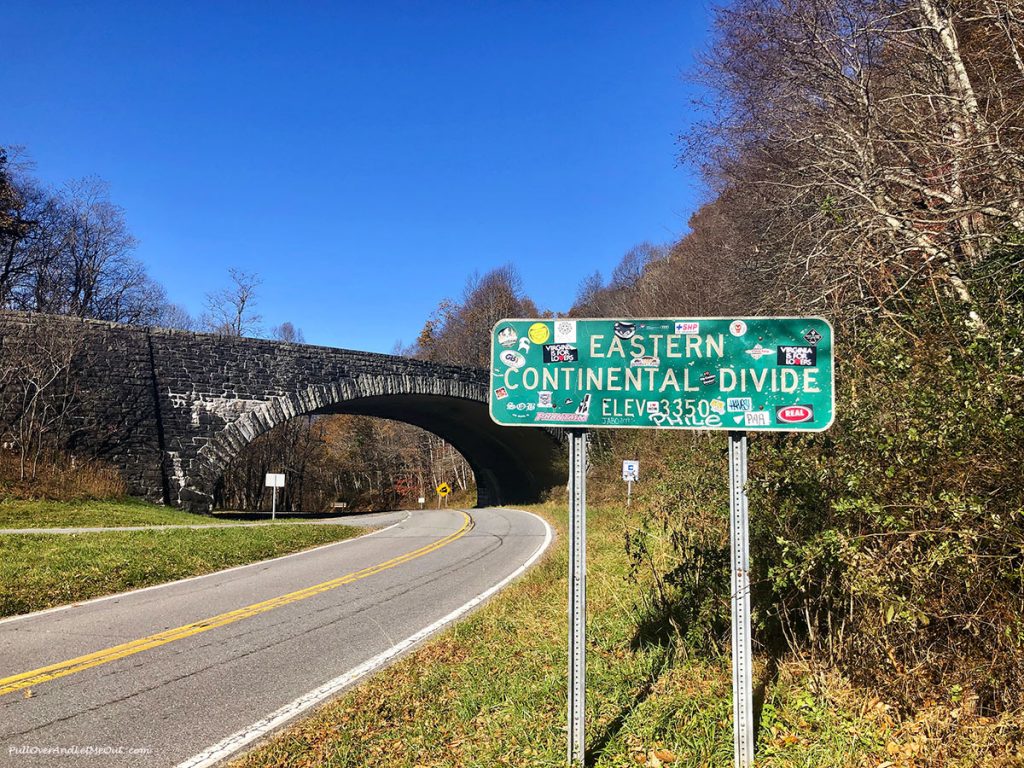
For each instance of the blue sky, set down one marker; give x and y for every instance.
(363, 158)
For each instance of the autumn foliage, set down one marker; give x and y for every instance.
(866, 160)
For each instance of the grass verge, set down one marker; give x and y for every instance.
(92, 513)
(491, 692)
(107, 513)
(41, 571)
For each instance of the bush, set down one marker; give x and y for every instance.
(891, 545)
(896, 541)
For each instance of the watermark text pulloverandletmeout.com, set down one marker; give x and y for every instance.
(75, 750)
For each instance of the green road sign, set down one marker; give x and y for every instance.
(750, 373)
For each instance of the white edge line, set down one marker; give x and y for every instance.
(227, 747)
(100, 599)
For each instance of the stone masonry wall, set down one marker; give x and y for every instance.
(171, 407)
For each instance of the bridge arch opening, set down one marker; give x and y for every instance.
(510, 465)
(337, 463)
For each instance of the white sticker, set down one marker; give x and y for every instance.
(507, 336)
(544, 400)
(734, 404)
(648, 361)
(512, 359)
(737, 327)
(758, 351)
(685, 328)
(756, 419)
(565, 331)
(653, 406)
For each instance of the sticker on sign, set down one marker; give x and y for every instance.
(794, 414)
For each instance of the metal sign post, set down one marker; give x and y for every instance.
(577, 593)
(742, 661)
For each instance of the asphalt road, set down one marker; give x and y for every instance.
(190, 672)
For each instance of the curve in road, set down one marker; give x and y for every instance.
(155, 677)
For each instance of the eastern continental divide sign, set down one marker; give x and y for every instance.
(751, 373)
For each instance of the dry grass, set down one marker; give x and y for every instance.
(61, 478)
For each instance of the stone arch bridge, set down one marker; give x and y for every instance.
(171, 408)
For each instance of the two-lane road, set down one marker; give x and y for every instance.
(190, 672)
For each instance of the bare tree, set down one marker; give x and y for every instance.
(175, 316)
(588, 296)
(229, 311)
(70, 252)
(288, 332)
(870, 150)
(38, 393)
(16, 224)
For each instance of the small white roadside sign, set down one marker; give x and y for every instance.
(274, 481)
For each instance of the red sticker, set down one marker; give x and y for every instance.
(794, 414)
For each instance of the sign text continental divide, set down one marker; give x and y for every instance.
(751, 373)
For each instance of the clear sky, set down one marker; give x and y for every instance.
(363, 158)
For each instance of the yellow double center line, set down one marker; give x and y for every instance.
(70, 667)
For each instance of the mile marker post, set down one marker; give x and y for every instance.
(742, 662)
